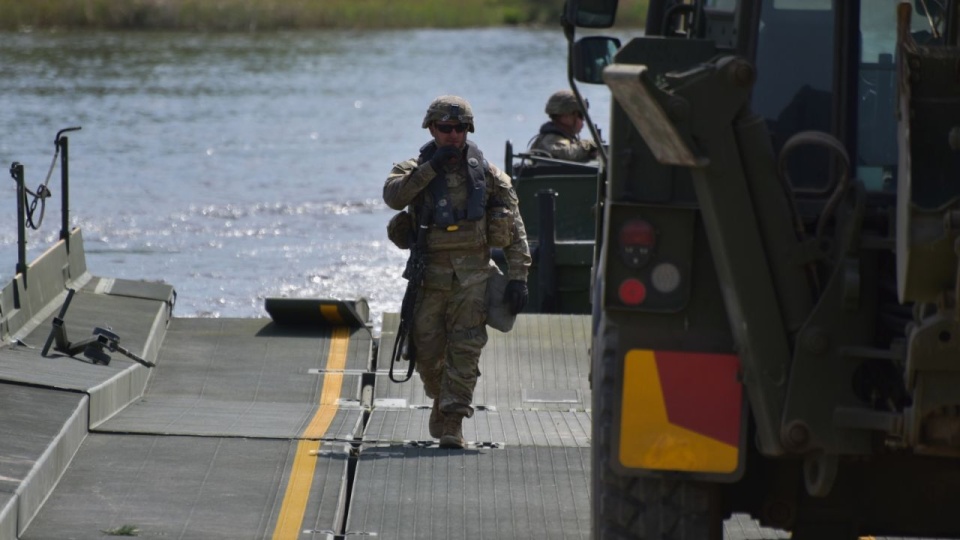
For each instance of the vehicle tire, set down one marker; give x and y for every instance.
(661, 507)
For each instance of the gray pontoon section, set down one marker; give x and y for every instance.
(258, 384)
(40, 431)
(206, 444)
(140, 323)
(48, 402)
(221, 420)
(208, 448)
(486, 428)
(525, 472)
(542, 364)
(197, 488)
(518, 492)
(246, 378)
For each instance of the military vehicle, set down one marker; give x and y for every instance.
(558, 206)
(776, 325)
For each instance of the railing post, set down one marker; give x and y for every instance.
(16, 170)
(63, 144)
(64, 192)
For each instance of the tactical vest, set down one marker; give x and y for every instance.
(458, 227)
(444, 212)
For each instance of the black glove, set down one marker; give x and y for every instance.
(516, 295)
(443, 155)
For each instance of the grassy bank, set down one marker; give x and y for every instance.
(245, 15)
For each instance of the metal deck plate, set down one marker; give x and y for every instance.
(179, 415)
(25, 365)
(485, 428)
(524, 474)
(32, 420)
(743, 527)
(541, 364)
(8, 515)
(40, 429)
(149, 290)
(414, 493)
(203, 344)
(246, 377)
(131, 318)
(198, 488)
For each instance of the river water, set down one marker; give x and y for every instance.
(242, 166)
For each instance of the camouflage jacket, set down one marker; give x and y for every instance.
(462, 253)
(560, 146)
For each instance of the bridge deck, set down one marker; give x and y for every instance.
(251, 429)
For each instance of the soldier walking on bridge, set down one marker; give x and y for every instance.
(462, 206)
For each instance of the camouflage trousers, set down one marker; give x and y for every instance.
(449, 331)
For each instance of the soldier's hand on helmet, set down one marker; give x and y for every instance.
(443, 155)
(516, 295)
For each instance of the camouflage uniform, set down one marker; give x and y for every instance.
(562, 146)
(449, 328)
(553, 140)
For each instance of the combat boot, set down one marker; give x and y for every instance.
(452, 431)
(436, 420)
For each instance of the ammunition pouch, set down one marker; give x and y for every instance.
(400, 229)
(463, 235)
(499, 227)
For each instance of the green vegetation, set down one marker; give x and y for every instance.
(247, 15)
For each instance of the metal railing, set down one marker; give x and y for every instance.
(28, 201)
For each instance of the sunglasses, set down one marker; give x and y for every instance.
(448, 128)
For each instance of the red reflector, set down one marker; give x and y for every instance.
(632, 292)
(637, 233)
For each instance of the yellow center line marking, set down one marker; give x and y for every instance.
(305, 460)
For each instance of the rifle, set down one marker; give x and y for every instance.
(414, 272)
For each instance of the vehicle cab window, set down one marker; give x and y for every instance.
(794, 88)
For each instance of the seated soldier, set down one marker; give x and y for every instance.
(560, 137)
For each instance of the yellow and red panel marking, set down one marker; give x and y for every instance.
(681, 411)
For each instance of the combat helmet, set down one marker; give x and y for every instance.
(446, 108)
(562, 102)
